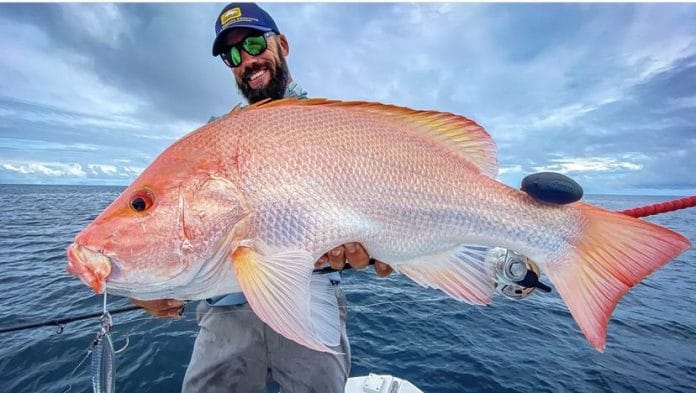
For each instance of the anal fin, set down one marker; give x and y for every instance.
(463, 274)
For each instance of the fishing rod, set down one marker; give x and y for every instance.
(662, 207)
(642, 211)
(63, 321)
(60, 323)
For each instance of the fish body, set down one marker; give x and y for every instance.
(253, 199)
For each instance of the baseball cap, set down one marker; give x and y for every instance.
(241, 15)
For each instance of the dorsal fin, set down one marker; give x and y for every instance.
(236, 108)
(459, 134)
(239, 106)
(266, 101)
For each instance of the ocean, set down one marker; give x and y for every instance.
(394, 325)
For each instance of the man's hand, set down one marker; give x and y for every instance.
(355, 255)
(162, 308)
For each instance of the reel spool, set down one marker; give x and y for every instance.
(516, 276)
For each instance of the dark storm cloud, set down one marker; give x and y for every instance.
(161, 54)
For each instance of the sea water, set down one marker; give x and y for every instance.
(394, 325)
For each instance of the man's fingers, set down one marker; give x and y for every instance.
(322, 260)
(382, 269)
(159, 304)
(337, 258)
(356, 255)
(175, 313)
(161, 308)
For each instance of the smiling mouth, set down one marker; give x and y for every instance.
(256, 75)
(253, 75)
(90, 266)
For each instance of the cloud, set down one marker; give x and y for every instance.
(132, 170)
(99, 169)
(24, 145)
(117, 59)
(680, 103)
(69, 171)
(104, 23)
(588, 164)
(51, 169)
(510, 169)
(30, 80)
(604, 92)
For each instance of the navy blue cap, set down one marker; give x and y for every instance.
(241, 15)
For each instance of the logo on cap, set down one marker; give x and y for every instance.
(230, 14)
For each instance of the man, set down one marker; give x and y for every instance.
(235, 351)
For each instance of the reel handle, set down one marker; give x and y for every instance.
(531, 280)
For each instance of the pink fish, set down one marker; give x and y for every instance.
(253, 199)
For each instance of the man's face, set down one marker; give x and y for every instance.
(263, 76)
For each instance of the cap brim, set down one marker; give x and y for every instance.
(218, 44)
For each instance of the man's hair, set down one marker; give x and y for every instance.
(275, 89)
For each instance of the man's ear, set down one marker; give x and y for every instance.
(284, 46)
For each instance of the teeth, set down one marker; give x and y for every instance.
(256, 75)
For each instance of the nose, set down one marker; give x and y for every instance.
(248, 60)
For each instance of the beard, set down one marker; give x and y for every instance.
(275, 89)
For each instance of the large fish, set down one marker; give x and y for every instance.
(252, 200)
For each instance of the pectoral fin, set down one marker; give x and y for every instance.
(281, 290)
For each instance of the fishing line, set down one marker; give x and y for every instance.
(72, 374)
(349, 307)
(96, 348)
(412, 301)
(124, 345)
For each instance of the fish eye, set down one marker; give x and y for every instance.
(141, 201)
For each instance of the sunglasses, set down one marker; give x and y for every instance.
(253, 45)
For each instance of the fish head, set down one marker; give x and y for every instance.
(166, 234)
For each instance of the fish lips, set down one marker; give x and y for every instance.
(89, 266)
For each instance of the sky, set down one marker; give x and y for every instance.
(604, 93)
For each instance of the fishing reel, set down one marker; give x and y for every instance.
(516, 276)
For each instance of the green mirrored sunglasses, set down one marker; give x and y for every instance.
(253, 45)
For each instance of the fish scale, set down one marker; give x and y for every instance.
(287, 169)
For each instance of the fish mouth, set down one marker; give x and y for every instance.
(91, 267)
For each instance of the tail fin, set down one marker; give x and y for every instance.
(614, 253)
